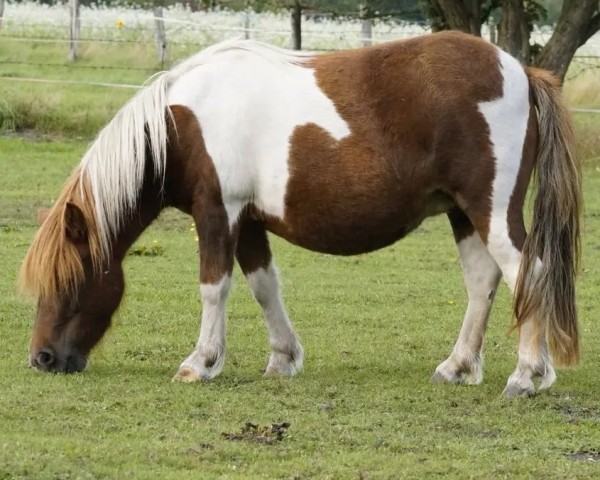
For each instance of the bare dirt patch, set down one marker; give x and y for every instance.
(584, 456)
(265, 435)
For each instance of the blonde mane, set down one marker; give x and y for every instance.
(107, 183)
(53, 265)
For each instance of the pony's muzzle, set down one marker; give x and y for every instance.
(48, 361)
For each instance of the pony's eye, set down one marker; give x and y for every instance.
(72, 308)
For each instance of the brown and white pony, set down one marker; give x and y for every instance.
(342, 153)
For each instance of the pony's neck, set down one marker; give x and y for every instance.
(148, 208)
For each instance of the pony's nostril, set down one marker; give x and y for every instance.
(45, 358)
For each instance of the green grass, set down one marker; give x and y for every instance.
(374, 328)
(65, 109)
(61, 109)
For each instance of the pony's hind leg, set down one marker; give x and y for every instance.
(534, 361)
(254, 256)
(514, 137)
(217, 244)
(481, 275)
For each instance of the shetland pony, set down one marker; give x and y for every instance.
(342, 153)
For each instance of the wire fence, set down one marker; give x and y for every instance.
(184, 32)
(182, 26)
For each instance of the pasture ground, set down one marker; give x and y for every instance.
(374, 328)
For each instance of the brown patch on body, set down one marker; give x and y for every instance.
(418, 145)
(461, 225)
(253, 250)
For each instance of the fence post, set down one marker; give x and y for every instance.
(297, 25)
(366, 26)
(1, 11)
(247, 23)
(161, 37)
(492, 25)
(74, 29)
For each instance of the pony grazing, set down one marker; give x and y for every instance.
(341, 153)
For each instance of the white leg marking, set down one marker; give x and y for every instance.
(507, 119)
(481, 274)
(206, 361)
(287, 353)
(534, 362)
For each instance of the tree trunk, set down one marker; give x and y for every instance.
(513, 32)
(297, 25)
(579, 21)
(463, 15)
(576, 24)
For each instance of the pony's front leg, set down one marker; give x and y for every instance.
(217, 244)
(481, 275)
(254, 256)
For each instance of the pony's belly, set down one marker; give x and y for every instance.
(350, 225)
(344, 233)
(346, 242)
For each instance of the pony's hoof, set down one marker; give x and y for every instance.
(445, 375)
(187, 375)
(547, 379)
(284, 364)
(516, 390)
(439, 378)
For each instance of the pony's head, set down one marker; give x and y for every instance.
(77, 286)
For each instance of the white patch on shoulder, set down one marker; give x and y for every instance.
(248, 105)
(507, 119)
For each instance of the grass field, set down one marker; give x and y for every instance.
(374, 328)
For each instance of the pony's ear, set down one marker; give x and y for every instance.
(42, 215)
(75, 226)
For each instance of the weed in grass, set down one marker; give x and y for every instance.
(154, 250)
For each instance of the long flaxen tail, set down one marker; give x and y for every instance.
(546, 293)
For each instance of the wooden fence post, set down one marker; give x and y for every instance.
(161, 37)
(366, 27)
(297, 25)
(75, 28)
(493, 36)
(247, 23)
